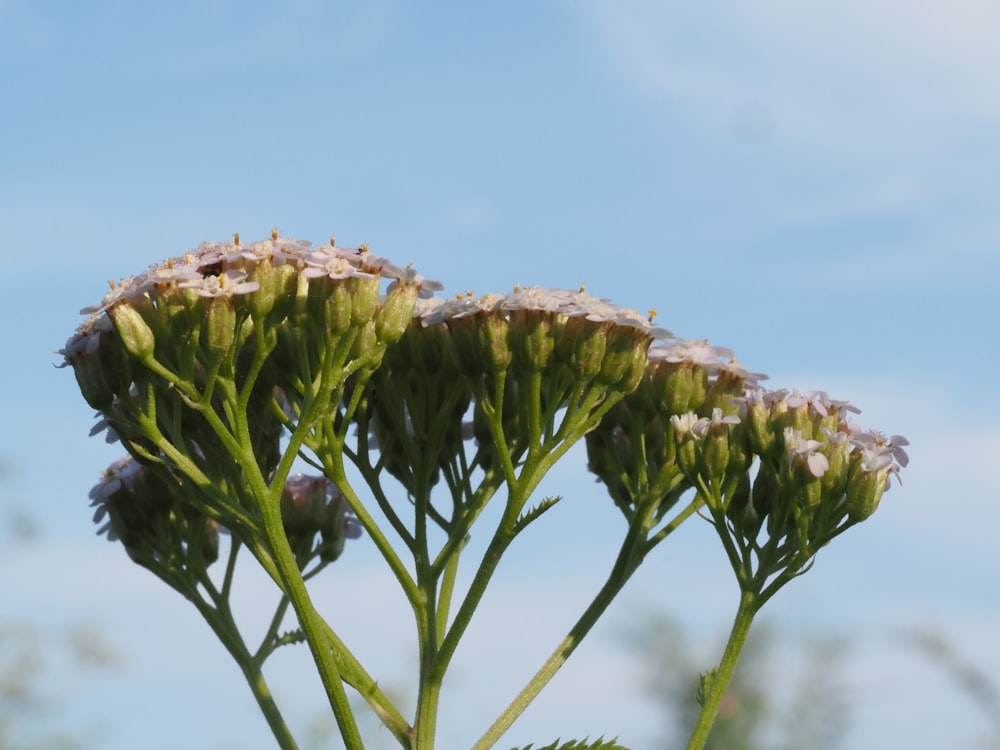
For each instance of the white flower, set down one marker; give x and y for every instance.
(332, 266)
(409, 275)
(437, 310)
(798, 448)
(719, 418)
(819, 403)
(228, 284)
(688, 423)
(689, 350)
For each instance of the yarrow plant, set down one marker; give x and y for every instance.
(223, 370)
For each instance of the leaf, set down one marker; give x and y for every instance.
(599, 744)
(292, 636)
(527, 517)
(705, 681)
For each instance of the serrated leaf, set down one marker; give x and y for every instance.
(289, 637)
(705, 681)
(584, 744)
(530, 515)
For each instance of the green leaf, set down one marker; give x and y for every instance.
(599, 744)
(705, 681)
(530, 515)
(292, 636)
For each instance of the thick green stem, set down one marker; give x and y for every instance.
(719, 681)
(312, 624)
(355, 676)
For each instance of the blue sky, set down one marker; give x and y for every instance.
(813, 185)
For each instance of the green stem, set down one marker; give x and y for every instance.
(310, 620)
(220, 619)
(447, 588)
(633, 551)
(720, 680)
(554, 663)
(262, 694)
(355, 676)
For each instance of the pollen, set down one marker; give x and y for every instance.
(274, 233)
(236, 239)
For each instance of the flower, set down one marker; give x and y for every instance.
(819, 403)
(688, 350)
(228, 284)
(881, 454)
(688, 423)
(122, 474)
(409, 275)
(437, 310)
(332, 266)
(800, 450)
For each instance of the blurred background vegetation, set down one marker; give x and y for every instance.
(40, 668)
(789, 691)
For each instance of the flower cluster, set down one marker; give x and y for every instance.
(154, 519)
(258, 339)
(221, 369)
(781, 471)
(687, 389)
(316, 519)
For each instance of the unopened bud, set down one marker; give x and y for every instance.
(135, 333)
(396, 313)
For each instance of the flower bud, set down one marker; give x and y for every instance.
(493, 330)
(531, 339)
(716, 456)
(759, 428)
(209, 547)
(864, 490)
(134, 332)
(337, 307)
(624, 363)
(336, 529)
(688, 444)
(396, 313)
(589, 344)
(276, 293)
(98, 363)
(218, 328)
(680, 386)
(364, 298)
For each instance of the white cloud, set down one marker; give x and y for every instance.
(846, 76)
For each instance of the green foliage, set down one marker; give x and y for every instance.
(765, 708)
(531, 514)
(599, 744)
